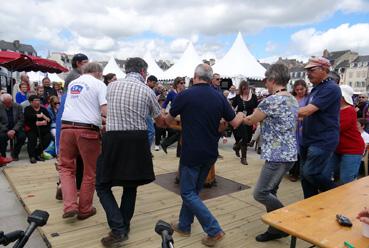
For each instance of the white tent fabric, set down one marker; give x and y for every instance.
(239, 62)
(38, 76)
(186, 65)
(112, 67)
(153, 68)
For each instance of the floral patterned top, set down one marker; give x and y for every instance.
(278, 129)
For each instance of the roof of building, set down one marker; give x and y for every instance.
(343, 64)
(364, 58)
(336, 54)
(17, 46)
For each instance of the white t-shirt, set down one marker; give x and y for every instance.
(84, 97)
(365, 137)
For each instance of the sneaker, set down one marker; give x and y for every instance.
(267, 236)
(33, 160)
(112, 239)
(175, 227)
(157, 148)
(88, 215)
(5, 160)
(212, 241)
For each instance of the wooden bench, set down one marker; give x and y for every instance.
(314, 219)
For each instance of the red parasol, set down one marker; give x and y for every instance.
(20, 62)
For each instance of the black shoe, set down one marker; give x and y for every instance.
(267, 236)
(33, 160)
(164, 147)
(38, 158)
(14, 157)
(113, 239)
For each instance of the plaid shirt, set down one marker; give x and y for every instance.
(130, 101)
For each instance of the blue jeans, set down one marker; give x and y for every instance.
(192, 179)
(267, 185)
(150, 130)
(347, 165)
(314, 162)
(119, 217)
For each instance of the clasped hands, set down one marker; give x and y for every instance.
(44, 122)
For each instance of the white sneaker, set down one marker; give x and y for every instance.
(157, 148)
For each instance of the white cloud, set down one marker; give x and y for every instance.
(103, 28)
(313, 42)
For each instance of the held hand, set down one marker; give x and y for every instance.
(363, 213)
(225, 140)
(11, 134)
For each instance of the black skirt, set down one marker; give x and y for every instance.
(125, 159)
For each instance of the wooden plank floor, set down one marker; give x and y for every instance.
(238, 213)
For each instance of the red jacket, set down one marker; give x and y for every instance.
(350, 137)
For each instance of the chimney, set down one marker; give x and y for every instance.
(16, 44)
(325, 53)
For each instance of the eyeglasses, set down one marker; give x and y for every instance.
(217, 79)
(362, 97)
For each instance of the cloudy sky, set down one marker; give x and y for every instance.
(126, 28)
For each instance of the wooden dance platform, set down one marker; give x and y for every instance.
(238, 213)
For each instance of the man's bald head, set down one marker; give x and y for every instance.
(203, 72)
(6, 99)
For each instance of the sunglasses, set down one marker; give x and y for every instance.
(313, 69)
(217, 79)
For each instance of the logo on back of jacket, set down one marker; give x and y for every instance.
(76, 89)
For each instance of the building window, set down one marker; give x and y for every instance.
(363, 73)
(350, 83)
(350, 74)
(365, 63)
(352, 65)
(359, 64)
(358, 74)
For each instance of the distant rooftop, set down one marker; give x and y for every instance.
(16, 46)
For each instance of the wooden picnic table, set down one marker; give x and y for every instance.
(314, 219)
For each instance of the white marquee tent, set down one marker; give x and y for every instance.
(239, 62)
(38, 76)
(185, 66)
(153, 68)
(112, 67)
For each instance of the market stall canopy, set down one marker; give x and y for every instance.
(153, 68)
(239, 62)
(112, 67)
(185, 66)
(14, 61)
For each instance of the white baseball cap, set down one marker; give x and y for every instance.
(347, 93)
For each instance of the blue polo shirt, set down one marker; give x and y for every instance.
(321, 129)
(200, 108)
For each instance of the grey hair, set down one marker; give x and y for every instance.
(204, 72)
(5, 96)
(135, 64)
(92, 67)
(278, 72)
